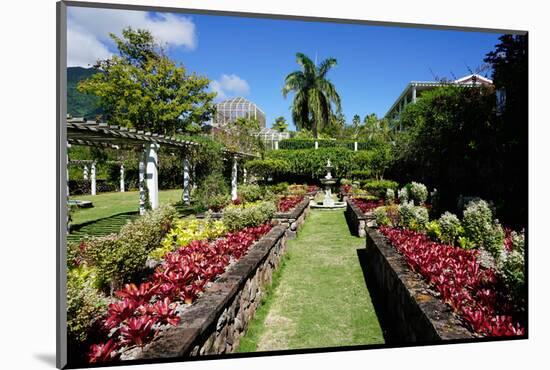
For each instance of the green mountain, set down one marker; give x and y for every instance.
(78, 104)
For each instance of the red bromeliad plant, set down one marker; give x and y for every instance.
(103, 352)
(367, 205)
(455, 273)
(141, 310)
(285, 204)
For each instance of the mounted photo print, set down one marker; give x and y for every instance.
(237, 184)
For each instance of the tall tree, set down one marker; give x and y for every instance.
(315, 97)
(356, 124)
(280, 124)
(144, 89)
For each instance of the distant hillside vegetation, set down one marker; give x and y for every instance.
(78, 104)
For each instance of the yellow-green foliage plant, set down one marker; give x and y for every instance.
(185, 231)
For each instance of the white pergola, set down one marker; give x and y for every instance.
(110, 136)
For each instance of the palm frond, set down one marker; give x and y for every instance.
(325, 66)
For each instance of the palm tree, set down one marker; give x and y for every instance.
(314, 94)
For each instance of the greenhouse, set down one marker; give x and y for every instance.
(229, 110)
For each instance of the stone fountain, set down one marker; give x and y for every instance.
(328, 181)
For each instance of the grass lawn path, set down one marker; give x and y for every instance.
(318, 297)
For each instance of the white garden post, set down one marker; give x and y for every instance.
(151, 174)
(85, 172)
(316, 144)
(122, 178)
(186, 182)
(234, 179)
(93, 185)
(141, 183)
(355, 146)
(244, 175)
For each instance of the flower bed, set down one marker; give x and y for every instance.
(287, 203)
(141, 312)
(471, 291)
(366, 205)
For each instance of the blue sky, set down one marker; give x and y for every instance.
(250, 57)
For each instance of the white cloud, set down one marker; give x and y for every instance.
(88, 31)
(230, 85)
(84, 49)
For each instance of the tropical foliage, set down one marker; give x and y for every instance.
(315, 96)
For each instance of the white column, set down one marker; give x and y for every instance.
(194, 176)
(414, 94)
(276, 145)
(142, 183)
(234, 179)
(151, 174)
(316, 144)
(93, 185)
(85, 172)
(122, 189)
(186, 182)
(244, 175)
(355, 146)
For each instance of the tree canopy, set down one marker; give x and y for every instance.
(144, 89)
(280, 124)
(315, 96)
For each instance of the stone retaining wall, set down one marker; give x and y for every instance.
(414, 315)
(217, 320)
(294, 219)
(357, 220)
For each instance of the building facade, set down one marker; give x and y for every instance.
(414, 90)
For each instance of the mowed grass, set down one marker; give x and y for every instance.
(318, 297)
(110, 204)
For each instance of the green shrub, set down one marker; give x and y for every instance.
(213, 185)
(379, 187)
(119, 258)
(390, 196)
(511, 267)
(361, 174)
(217, 202)
(246, 215)
(413, 217)
(465, 243)
(251, 192)
(280, 188)
(479, 227)
(418, 193)
(381, 216)
(433, 230)
(403, 195)
(267, 167)
(477, 221)
(450, 227)
(494, 240)
(85, 304)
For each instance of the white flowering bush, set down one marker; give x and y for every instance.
(390, 196)
(418, 193)
(450, 228)
(480, 228)
(511, 266)
(413, 217)
(403, 195)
